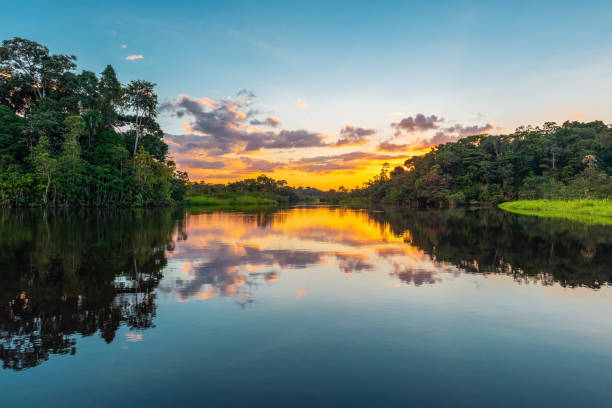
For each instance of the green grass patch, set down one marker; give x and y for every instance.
(587, 211)
(230, 202)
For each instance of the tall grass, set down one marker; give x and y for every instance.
(589, 211)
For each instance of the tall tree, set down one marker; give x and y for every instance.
(141, 101)
(45, 165)
(110, 91)
(31, 64)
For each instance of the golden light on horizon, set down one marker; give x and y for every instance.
(231, 254)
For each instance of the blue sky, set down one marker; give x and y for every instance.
(367, 64)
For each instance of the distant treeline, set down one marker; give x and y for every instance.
(60, 143)
(570, 161)
(262, 187)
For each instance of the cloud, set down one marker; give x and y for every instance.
(387, 146)
(123, 45)
(202, 164)
(450, 134)
(223, 127)
(354, 135)
(418, 123)
(245, 93)
(346, 161)
(263, 166)
(302, 105)
(134, 57)
(269, 121)
(464, 131)
(284, 139)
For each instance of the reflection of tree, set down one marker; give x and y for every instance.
(83, 273)
(492, 241)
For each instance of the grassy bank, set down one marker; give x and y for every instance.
(230, 202)
(589, 211)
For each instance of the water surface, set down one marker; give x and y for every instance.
(304, 306)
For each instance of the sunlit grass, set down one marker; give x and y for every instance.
(587, 211)
(234, 201)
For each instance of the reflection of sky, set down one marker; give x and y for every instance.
(227, 254)
(344, 315)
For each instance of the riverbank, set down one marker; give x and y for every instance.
(232, 201)
(589, 211)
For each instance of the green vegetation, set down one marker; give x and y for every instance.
(530, 249)
(60, 144)
(590, 211)
(261, 191)
(228, 201)
(572, 161)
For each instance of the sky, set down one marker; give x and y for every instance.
(323, 93)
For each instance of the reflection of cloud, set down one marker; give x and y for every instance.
(133, 337)
(229, 254)
(227, 267)
(350, 263)
(414, 275)
(300, 293)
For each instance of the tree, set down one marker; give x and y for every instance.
(141, 101)
(93, 120)
(58, 143)
(31, 62)
(45, 165)
(13, 149)
(70, 159)
(110, 91)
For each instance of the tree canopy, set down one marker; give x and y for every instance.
(60, 138)
(573, 160)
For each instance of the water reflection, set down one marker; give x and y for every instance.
(65, 274)
(528, 248)
(91, 272)
(228, 254)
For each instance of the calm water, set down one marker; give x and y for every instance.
(304, 307)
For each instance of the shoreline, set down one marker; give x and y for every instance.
(586, 211)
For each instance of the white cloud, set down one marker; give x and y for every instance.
(134, 57)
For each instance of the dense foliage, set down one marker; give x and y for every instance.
(78, 139)
(555, 162)
(262, 188)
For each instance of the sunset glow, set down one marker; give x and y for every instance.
(309, 94)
